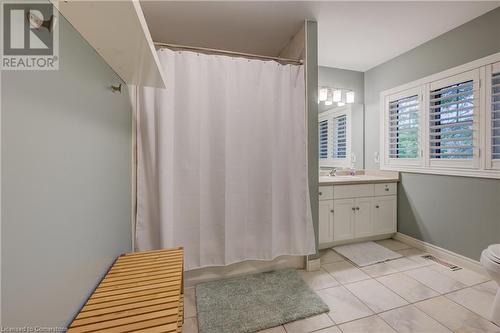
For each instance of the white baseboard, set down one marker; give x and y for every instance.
(313, 265)
(196, 276)
(441, 253)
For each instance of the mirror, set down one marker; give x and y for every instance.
(340, 118)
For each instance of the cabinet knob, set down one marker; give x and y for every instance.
(331, 211)
(377, 206)
(320, 193)
(357, 208)
(386, 189)
(353, 208)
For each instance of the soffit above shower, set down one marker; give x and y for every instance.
(259, 28)
(117, 31)
(352, 35)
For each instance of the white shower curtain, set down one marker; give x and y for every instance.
(222, 161)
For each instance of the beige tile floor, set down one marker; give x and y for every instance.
(409, 294)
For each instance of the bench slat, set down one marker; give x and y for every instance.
(139, 275)
(128, 259)
(128, 306)
(137, 283)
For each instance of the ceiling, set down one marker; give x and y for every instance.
(352, 35)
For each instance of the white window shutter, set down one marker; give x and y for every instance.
(323, 139)
(403, 125)
(340, 137)
(495, 116)
(451, 121)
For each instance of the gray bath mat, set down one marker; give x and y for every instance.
(255, 302)
(365, 254)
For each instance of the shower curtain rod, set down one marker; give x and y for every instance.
(246, 55)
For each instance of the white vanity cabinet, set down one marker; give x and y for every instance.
(385, 214)
(326, 221)
(356, 212)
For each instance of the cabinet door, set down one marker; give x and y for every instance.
(343, 226)
(363, 219)
(325, 221)
(385, 215)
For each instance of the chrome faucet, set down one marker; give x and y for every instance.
(333, 172)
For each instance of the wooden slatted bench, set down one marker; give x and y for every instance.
(142, 292)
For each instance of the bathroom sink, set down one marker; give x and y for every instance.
(344, 177)
(333, 178)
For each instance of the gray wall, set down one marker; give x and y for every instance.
(66, 170)
(458, 213)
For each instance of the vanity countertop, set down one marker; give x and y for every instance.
(363, 177)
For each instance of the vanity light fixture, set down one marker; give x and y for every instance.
(323, 94)
(329, 96)
(337, 95)
(349, 97)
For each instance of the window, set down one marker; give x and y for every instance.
(447, 123)
(495, 116)
(451, 119)
(334, 137)
(323, 139)
(403, 127)
(340, 137)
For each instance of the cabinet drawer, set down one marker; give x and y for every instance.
(325, 193)
(353, 191)
(386, 189)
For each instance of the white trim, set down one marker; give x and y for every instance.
(451, 80)
(496, 67)
(489, 161)
(482, 120)
(313, 265)
(474, 173)
(441, 253)
(480, 165)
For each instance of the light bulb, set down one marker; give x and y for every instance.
(349, 97)
(323, 94)
(337, 95)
